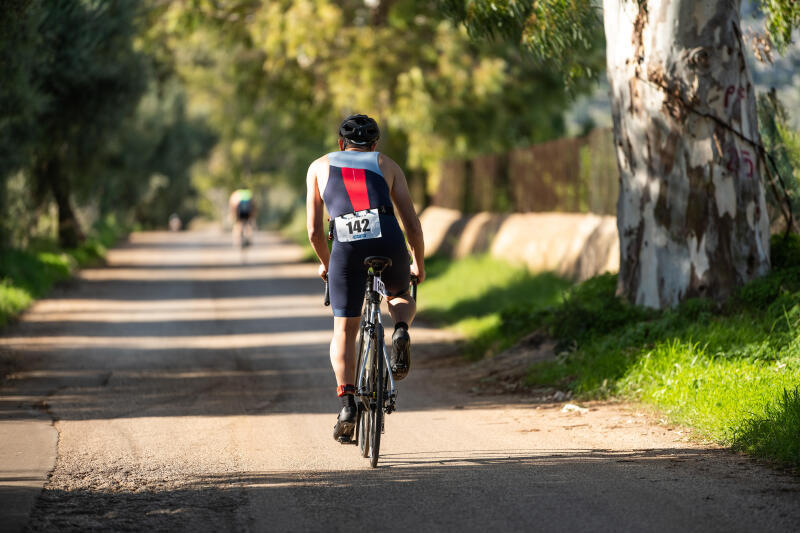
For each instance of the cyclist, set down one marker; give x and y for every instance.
(359, 186)
(243, 214)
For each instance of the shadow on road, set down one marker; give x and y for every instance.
(588, 490)
(194, 266)
(178, 327)
(149, 290)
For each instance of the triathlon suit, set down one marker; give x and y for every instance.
(245, 206)
(357, 197)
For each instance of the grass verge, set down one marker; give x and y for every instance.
(730, 370)
(29, 274)
(471, 294)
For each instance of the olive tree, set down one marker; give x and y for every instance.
(91, 79)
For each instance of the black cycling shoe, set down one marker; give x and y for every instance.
(345, 424)
(401, 353)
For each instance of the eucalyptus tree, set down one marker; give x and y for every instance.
(692, 215)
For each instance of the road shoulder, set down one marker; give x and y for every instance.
(28, 449)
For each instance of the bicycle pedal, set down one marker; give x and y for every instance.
(345, 440)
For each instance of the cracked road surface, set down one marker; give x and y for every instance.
(190, 389)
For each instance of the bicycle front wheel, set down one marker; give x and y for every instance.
(362, 428)
(376, 407)
(363, 416)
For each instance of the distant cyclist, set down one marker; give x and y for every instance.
(358, 186)
(243, 214)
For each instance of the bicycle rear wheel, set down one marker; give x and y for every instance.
(376, 407)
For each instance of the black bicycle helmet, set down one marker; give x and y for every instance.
(359, 130)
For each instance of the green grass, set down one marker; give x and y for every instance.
(29, 274)
(470, 295)
(730, 370)
(773, 434)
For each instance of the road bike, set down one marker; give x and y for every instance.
(376, 393)
(245, 233)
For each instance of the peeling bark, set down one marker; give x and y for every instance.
(692, 215)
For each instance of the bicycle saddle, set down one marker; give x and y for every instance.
(377, 263)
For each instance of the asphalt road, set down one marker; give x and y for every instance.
(187, 387)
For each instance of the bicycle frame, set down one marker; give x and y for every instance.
(372, 318)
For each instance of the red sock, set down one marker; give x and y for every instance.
(341, 390)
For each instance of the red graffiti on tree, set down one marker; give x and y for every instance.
(735, 158)
(738, 93)
(749, 161)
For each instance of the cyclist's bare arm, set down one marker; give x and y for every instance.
(408, 215)
(232, 203)
(314, 214)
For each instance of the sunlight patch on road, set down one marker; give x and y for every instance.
(122, 317)
(265, 273)
(199, 249)
(208, 342)
(78, 304)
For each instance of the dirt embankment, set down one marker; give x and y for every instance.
(576, 246)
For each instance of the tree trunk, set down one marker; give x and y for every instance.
(692, 216)
(50, 176)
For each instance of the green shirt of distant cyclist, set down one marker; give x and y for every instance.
(243, 214)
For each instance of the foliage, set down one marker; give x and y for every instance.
(73, 126)
(138, 92)
(782, 143)
(785, 251)
(151, 159)
(19, 100)
(783, 16)
(472, 295)
(92, 78)
(275, 87)
(565, 35)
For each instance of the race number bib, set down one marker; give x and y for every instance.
(358, 226)
(379, 287)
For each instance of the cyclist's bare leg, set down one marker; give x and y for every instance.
(237, 232)
(343, 349)
(402, 308)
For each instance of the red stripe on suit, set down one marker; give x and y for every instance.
(356, 184)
